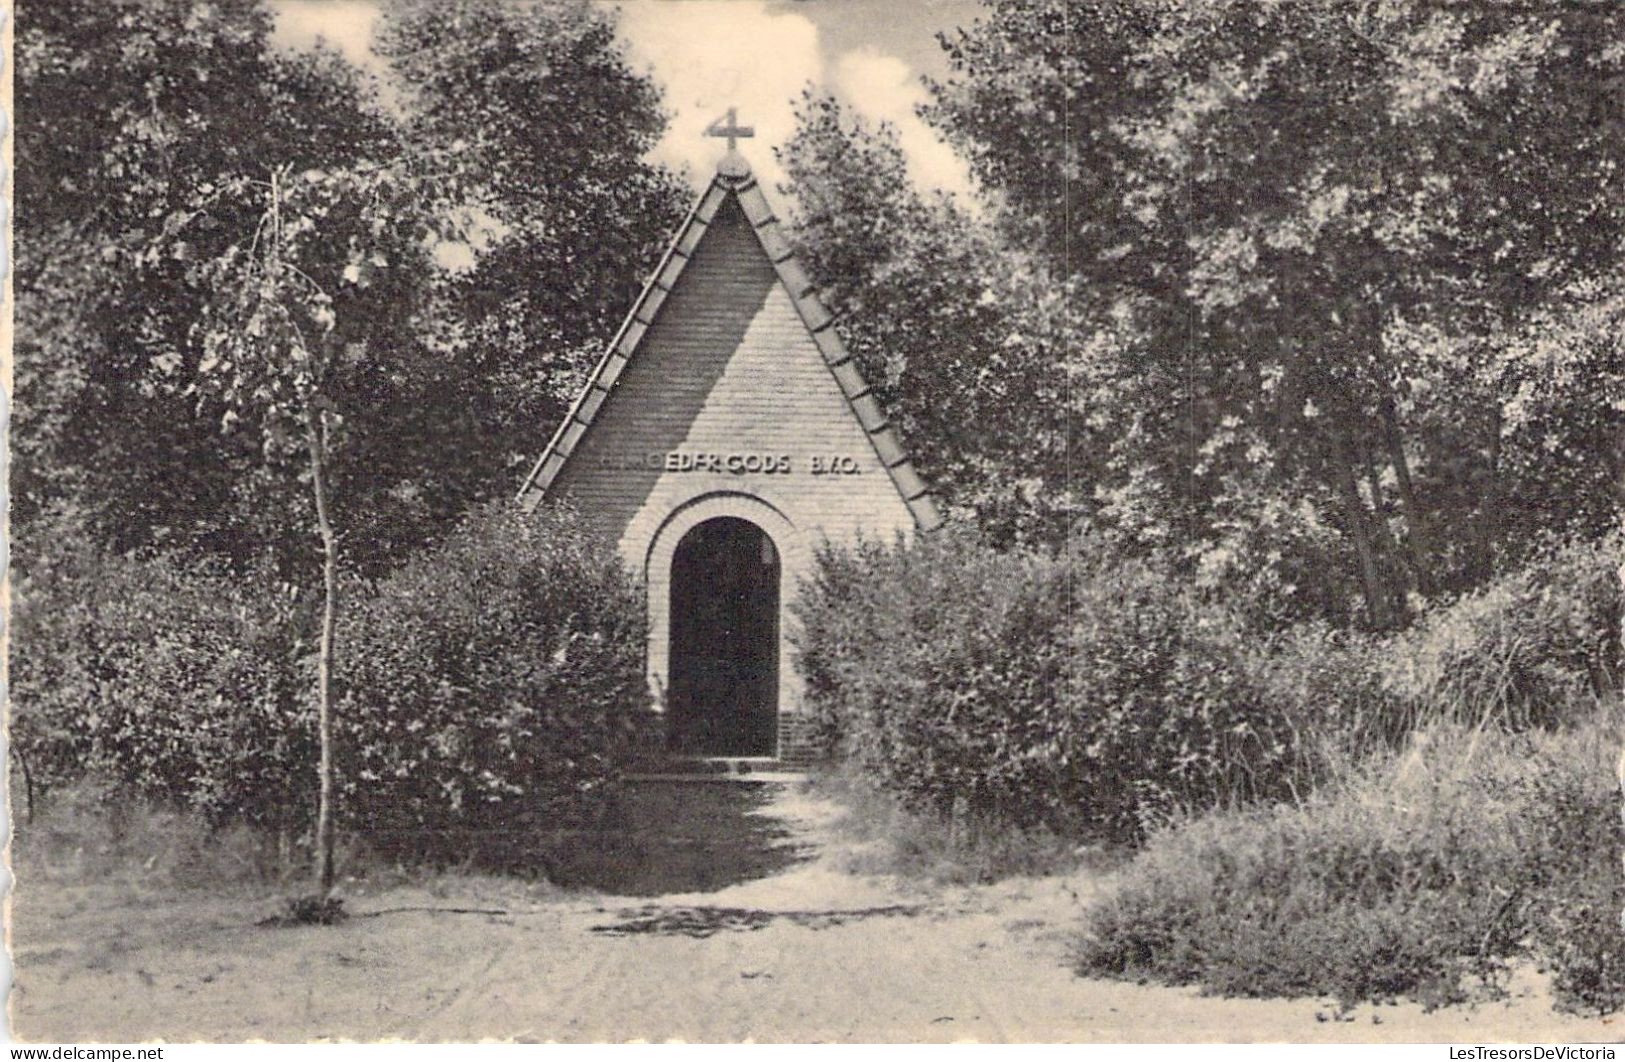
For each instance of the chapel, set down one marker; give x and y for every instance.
(724, 435)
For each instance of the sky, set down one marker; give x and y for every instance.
(757, 55)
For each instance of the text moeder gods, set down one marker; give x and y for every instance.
(736, 463)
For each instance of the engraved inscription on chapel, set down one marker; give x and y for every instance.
(735, 463)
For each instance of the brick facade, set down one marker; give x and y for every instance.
(729, 406)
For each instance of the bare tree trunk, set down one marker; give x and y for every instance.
(1489, 503)
(1419, 539)
(284, 852)
(28, 779)
(317, 441)
(1376, 595)
(1383, 535)
(1379, 502)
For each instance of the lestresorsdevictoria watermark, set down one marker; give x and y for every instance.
(1537, 1053)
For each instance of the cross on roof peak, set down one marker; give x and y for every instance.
(732, 129)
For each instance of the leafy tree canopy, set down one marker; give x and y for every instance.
(1298, 240)
(158, 126)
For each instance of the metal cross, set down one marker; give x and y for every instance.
(731, 130)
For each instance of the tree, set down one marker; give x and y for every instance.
(138, 106)
(966, 340)
(545, 129)
(322, 296)
(1282, 198)
(138, 103)
(251, 344)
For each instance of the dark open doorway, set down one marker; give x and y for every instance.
(723, 696)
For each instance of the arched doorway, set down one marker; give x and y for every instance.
(724, 665)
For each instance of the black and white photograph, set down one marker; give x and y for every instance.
(815, 521)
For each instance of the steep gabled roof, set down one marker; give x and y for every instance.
(733, 178)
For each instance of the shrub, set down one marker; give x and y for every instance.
(1576, 925)
(1524, 650)
(1420, 875)
(1055, 692)
(1537, 647)
(496, 676)
(1580, 938)
(51, 678)
(175, 681)
(891, 838)
(1331, 692)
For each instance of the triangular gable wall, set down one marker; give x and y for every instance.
(735, 181)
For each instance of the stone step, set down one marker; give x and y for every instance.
(716, 769)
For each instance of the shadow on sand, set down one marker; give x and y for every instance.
(672, 837)
(650, 838)
(705, 921)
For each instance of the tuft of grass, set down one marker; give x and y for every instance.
(89, 833)
(1423, 874)
(92, 832)
(309, 909)
(890, 837)
(1537, 647)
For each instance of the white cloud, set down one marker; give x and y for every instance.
(345, 24)
(884, 88)
(709, 55)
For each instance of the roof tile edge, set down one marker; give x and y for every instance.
(910, 486)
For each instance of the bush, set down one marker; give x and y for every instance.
(890, 838)
(497, 676)
(1331, 691)
(174, 681)
(1537, 647)
(1462, 819)
(1527, 650)
(51, 674)
(1419, 876)
(1054, 692)
(1576, 926)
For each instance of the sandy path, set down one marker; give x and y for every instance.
(807, 953)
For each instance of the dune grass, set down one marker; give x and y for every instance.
(889, 837)
(1423, 874)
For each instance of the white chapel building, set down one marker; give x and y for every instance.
(724, 435)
